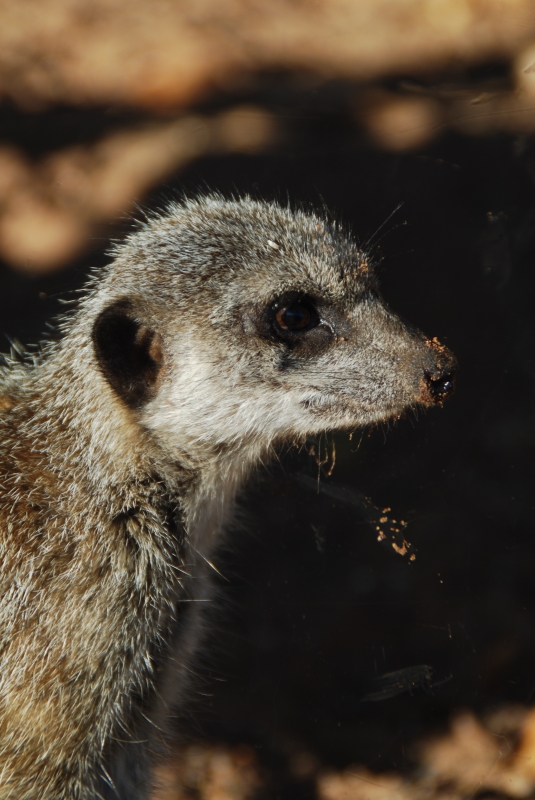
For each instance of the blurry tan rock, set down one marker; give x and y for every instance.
(209, 773)
(168, 53)
(49, 210)
(14, 172)
(465, 762)
(487, 113)
(469, 760)
(524, 72)
(245, 129)
(473, 759)
(525, 755)
(105, 179)
(408, 121)
(402, 123)
(37, 235)
(359, 784)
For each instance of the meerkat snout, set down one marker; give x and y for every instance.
(440, 388)
(220, 330)
(438, 382)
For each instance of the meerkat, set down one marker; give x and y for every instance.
(221, 329)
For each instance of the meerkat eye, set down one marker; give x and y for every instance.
(296, 317)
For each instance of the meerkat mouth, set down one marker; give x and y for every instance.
(343, 406)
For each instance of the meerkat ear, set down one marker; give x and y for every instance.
(129, 353)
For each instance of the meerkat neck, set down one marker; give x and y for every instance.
(87, 425)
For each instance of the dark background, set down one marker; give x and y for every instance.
(314, 609)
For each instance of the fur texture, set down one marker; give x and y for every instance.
(221, 329)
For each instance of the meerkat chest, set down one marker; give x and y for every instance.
(211, 510)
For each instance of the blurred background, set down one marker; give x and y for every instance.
(374, 636)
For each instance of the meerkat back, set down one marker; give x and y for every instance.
(221, 330)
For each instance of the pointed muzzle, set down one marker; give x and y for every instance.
(438, 381)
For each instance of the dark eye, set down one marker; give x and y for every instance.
(298, 316)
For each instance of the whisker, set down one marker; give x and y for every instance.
(381, 226)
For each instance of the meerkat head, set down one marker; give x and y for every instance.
(229, 323)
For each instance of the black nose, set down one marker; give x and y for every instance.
(438, 380)
(437, 386)
(440, 387)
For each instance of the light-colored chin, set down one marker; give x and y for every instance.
(191, 429)
(340, 414)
